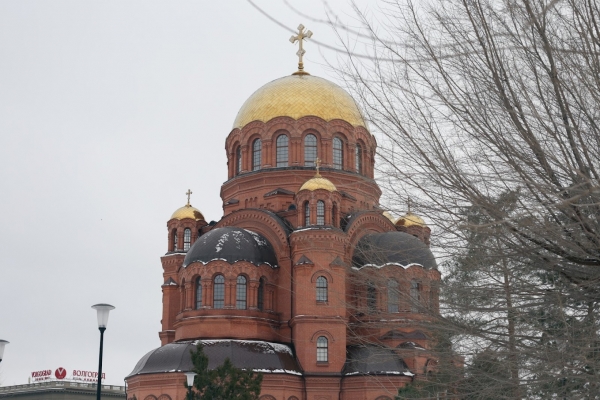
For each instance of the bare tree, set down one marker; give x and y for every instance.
(488, 115)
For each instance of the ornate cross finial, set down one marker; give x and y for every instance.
(188, 193)
(299, 38)
(408, 203)
(318, 165)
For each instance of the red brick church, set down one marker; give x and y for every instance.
(304, 277)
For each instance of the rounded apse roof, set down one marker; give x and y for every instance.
(187, 211)
(379, 249)
(298, 96)
(247, 354)
(231, 244)
(374, 360)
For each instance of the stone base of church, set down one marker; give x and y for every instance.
(170, 386)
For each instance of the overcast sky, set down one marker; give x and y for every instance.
(109, 112)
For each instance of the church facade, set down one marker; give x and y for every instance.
(304, 278)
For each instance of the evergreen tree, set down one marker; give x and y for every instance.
(225, 382)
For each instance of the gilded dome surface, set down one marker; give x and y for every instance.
(410, 219)
(297, 96)
(187, 211)
(318, 182)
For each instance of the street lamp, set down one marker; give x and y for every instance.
(2, 344)
(102, 310)
(190, 383)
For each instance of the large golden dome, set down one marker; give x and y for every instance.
(297, 96)
(187, 211)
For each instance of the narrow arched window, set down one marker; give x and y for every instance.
(415, 289)
(282, 151)
(261, 294)
(338, 153)
(187, 239)
(219, 292)
(175, 245)
(358, 159)
(256, 154)
(238, 160)
(321, 289)
(334, 215)
(393, 296)
(240, 293)
(371, 298)
(320, 212)
(310, 150)
(306, 213)
(322, 345)
(198, 293)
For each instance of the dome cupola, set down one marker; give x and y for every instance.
(184, 226)
(410, 219)
(298, 96)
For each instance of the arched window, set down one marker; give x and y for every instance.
(219, 292)
(322, 349)
(238, 160)
(371, 298)
(187, 239)
(240, 293)
(334, 212)
(282, 151)
(261, 294)
(320, 212)
(310, 150)
(321, 289)
(256, 154)
(393, 296)
(198, 293)
(306, 213)
(338, 153)
(175, 245)
(415, 289)
(358, 159)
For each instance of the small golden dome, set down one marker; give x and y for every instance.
(318, 182)
(187, 211)
(410, 219)
(297, 96)
(389, 216)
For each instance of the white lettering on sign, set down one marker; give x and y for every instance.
(60, 374)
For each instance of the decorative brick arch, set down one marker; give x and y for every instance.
(164, 397)
(150, 397)
(293, 398)
(368, 222)
(322, 332)
(321, 272)
(261, 222)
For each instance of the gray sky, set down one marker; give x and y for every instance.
(109, 112)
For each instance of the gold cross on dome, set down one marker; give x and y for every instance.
(408, 203)
(318, 165)
(300, 38)
(188, 193)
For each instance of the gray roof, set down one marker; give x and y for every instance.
(245, 354)
(231, 244)
(392, 248)
(373, 360)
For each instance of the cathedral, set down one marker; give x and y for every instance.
(304, 278)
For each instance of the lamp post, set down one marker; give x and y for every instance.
(102, 311)
(190, 384)
(2, 344)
